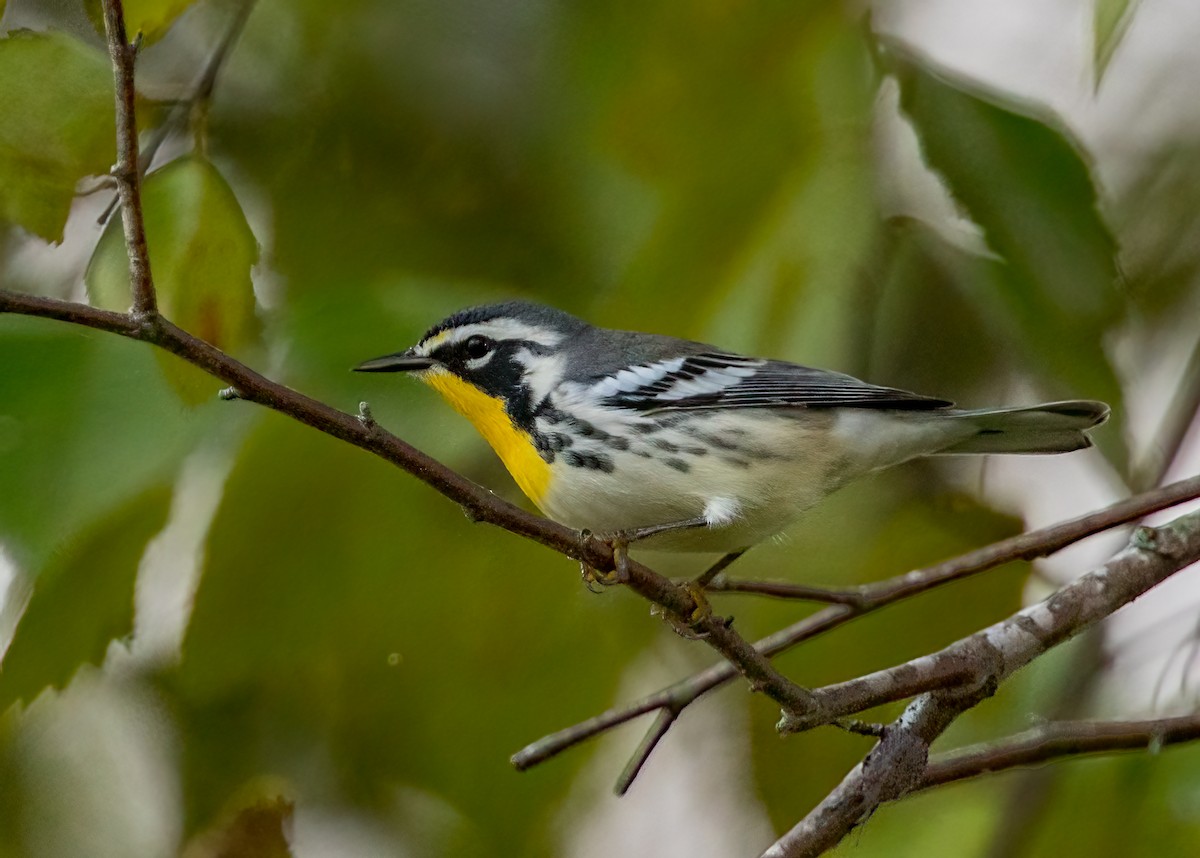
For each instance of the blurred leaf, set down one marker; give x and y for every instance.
(1160, 204)
(258, 830)
(900, 829)
(720, 117)
(82, 600)
(969, 338)
(57, 103)
(201, 254)
(86, 423)
(1110, 21)
(150, 18)
(1025, 181)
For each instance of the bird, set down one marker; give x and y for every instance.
(678, 445)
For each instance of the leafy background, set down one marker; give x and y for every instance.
(214, 611)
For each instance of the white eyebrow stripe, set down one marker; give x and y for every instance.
(497, 329)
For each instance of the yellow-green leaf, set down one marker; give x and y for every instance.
(201, 253)
(82, 600)
(1110, 20)
(57, 107)
(151, 18)
(1017, 171)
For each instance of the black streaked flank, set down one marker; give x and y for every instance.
(591, 461)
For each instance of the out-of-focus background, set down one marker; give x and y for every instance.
(215, 613)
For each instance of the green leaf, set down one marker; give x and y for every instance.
(57, 103)
(1026, 182)
(151, 18)
(1110, 21)
(201, 254)
(86, 423)
(82, 600)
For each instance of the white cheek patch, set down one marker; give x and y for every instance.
(542, 372)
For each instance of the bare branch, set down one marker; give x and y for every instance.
(897, 764)
(887, 773)
(1059, 739)
(125, 171)
(871, 597)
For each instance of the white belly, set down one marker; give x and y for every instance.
(765, 470)
(766, 467)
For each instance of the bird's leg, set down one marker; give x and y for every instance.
(620, 540)
(695, 589)
(705, 578)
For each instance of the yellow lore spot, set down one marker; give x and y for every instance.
(486, 413)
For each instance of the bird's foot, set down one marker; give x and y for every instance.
(594, 579)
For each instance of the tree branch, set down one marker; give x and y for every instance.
(1056, 740)
(125, 171)
(897, 764)
(868, 598)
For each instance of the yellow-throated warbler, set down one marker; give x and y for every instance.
(684, 445)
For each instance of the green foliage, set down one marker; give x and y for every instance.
(82, 600)
(1110, 20)
(56, 97)
(201, 253)
(1026, 183)
(85, 424)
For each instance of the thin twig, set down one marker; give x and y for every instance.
(851, 596)
(182, 109)
(662, 723)
(1058, 739)
(1181, 414)
(125, 171)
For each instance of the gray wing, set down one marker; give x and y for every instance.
(720, 380)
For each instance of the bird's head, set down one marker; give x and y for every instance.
(507, 354)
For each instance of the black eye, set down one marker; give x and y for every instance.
(477, 346)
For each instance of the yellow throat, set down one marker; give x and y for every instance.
(486, 413)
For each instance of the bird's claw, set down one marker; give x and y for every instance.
(691, 626)
(619, 574)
